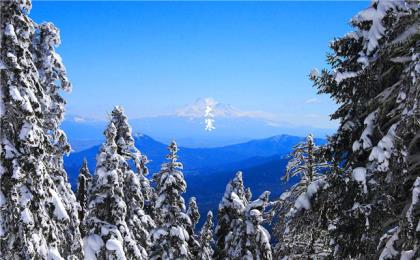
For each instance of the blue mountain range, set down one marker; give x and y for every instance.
(208, 170)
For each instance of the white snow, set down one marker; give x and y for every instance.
(26, 217)
(304, 199)
(340, 76)
(389, 251)
(59, 209)
(9, 30)
(375, 15)
(157, 234)
(53, 254)
(415, 198)
(359, 175)
(25, 195)
(91, 245)
(411, 31)
(116, 245)
(367, 132)
(382, 152)
(407, 255)
(2, 199)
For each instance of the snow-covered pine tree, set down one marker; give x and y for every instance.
(83, 184)
(206, 241)
(136, 187)
(250, 239)
(38, 211)
(108, 235)
(170, 238)
(375, 80)
(296, 239)
(53, 78)
(193, 216)
(193, 212)
(230, 215)
(126, 147)
(139, 223)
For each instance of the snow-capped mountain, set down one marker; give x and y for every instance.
(198, 107)
(187, 126)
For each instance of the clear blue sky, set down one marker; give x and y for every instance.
(152, 57)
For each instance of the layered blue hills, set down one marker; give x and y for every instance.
(208, 170)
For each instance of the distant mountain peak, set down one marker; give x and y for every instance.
(197, 109)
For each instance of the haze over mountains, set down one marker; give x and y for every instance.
(187, 126)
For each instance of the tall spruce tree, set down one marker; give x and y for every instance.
(375, 80)
(108, 235)
(83, 185)
(126, 148)
(230, 215)
(250, 239)
(136, 187)
(193, 217)
(170, 238)
(206, 241)
(298, 238)
(38, 211)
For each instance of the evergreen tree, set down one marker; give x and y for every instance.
(205, 251)
(250, 239)
(295, 238)
(170, 238)
(230, 215)
(108, 235)
(375, 80)
(136, 187)
(38, 211)
(126, 148)
(139, 223)
(193, 212)
(193, 217)
(83, 185)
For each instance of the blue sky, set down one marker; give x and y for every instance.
(153, 57)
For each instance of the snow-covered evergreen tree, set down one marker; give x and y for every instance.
(295, 238)
(193, 212)
(250, 239)
(230, 215)
(206, 241)
(139, 223)
(170, 238)
(38, 210)
(193, 217)
(126, 148)
(83, 185)
(136, 187)
(108, 235)
(375, 80)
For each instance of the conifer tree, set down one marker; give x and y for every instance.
(170, 238)
(126, 148)
(250, 239)
(136, 187)
(206, 241)
(193, 217)
(375, 80)
(295, 239)
(108, 235)
(83, 185)
(38, 210)
(230, 215)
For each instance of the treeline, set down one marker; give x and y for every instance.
(358, 196)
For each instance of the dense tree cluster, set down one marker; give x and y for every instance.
(357, 197)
